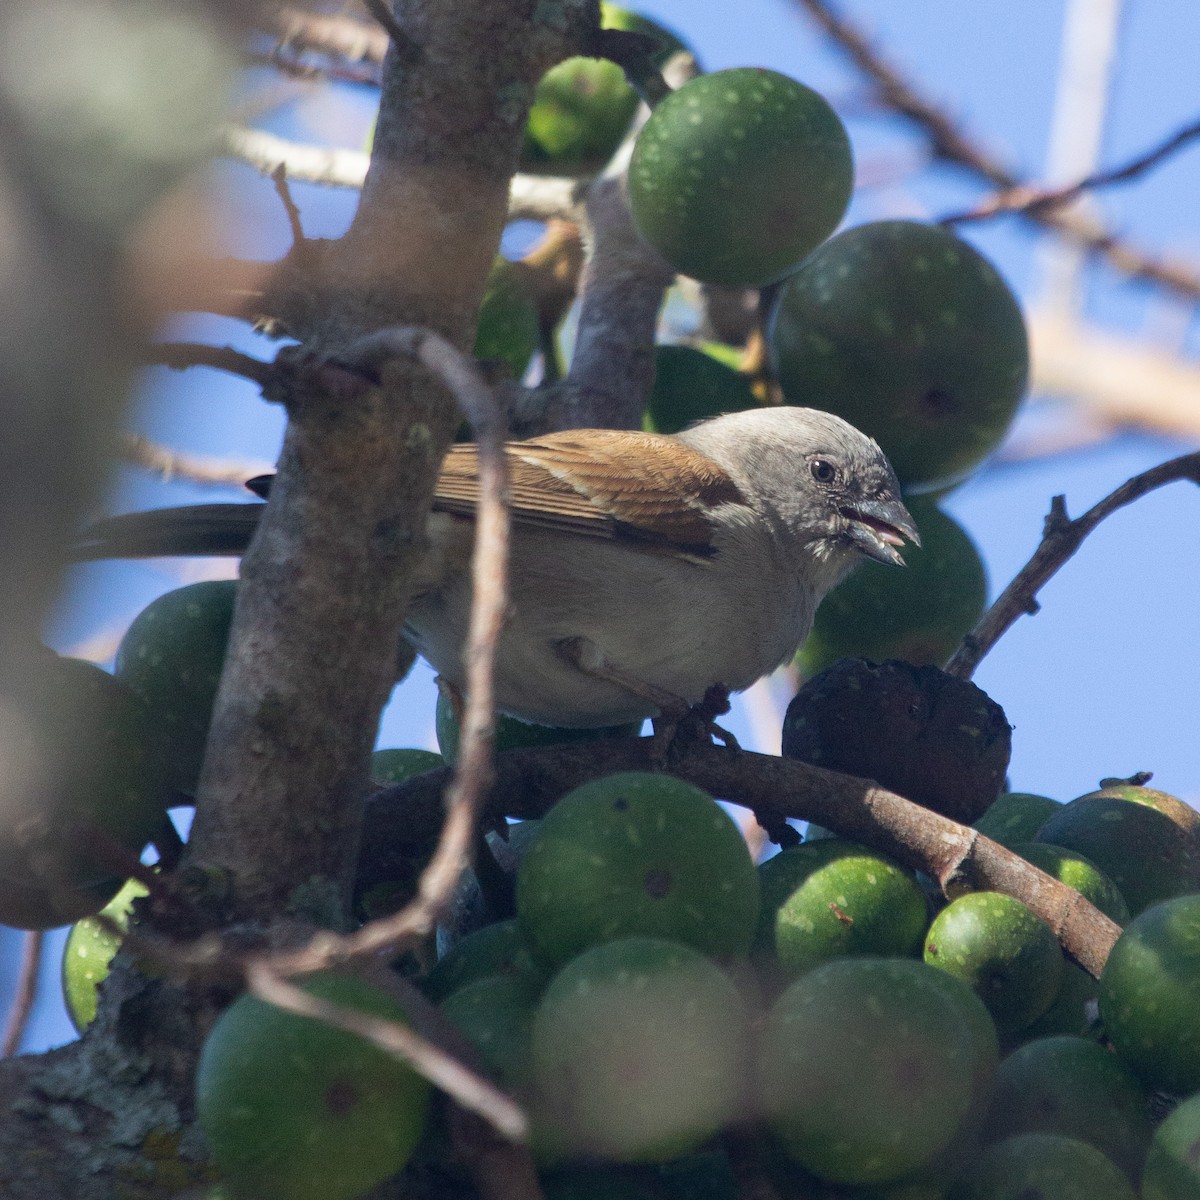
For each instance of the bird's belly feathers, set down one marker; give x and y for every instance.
(681, 626)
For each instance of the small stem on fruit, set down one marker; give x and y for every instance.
(1060, 539)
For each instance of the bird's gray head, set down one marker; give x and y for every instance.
(816, 474)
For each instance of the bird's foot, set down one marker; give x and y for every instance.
(676, 728)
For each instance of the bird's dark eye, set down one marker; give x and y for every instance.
(823, 471)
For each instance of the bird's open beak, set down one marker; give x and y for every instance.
(877, 527)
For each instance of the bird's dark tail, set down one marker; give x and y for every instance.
(194, 529)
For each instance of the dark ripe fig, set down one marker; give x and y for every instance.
(935, 739)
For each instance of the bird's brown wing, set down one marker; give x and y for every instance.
(615, 483)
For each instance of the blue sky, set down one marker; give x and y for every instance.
(1102, 681)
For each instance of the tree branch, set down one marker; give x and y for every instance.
(168, 463)
(403, 820)
(1060, 539)
(310, 164)
(179, 356)
(340, 543)
(951, 144)
(1030, 199)
(341, 36)
(612, 369)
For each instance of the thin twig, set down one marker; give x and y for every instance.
(1030, 199)
(181, 355)
(26, 993)
(169, 464)
(310, 164)
(532, 198)
(470, 1090)
(279, 177)
(951, 144)
(407, 50)
(340, 36)
(292, 64)
(1060, 539)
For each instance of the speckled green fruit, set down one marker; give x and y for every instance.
(1150, 995)
(507, 328)
(690, 385)
(1073, 1011)
(1076, 1088)
(1183, 815)
(738, 175)
(1016, 817)
(1173, 1165)
(866, 1069)
(639, 1050)
(88, 950)
(918, 615)
(830, 898)
(1042, 1166)
(495, 1012)
(395, 766)
(512, 734)
(910, 334)
(1142, 850)
(1004, 953)
(294, 1109)
(172, 657)
(637, 854)
(583, 107)
(496, 949)
(1078, 872)
(77, 755)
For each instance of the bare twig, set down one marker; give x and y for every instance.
(532, 198)
(341, 36)
(181, 355)
(168, 464)
(26, 993)
(1031, 199)
(1060, 539)
(310, 164)
(951, 144)
(470, 1090)
(280, 179)
(298, 67)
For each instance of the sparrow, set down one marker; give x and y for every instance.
(645, 568)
